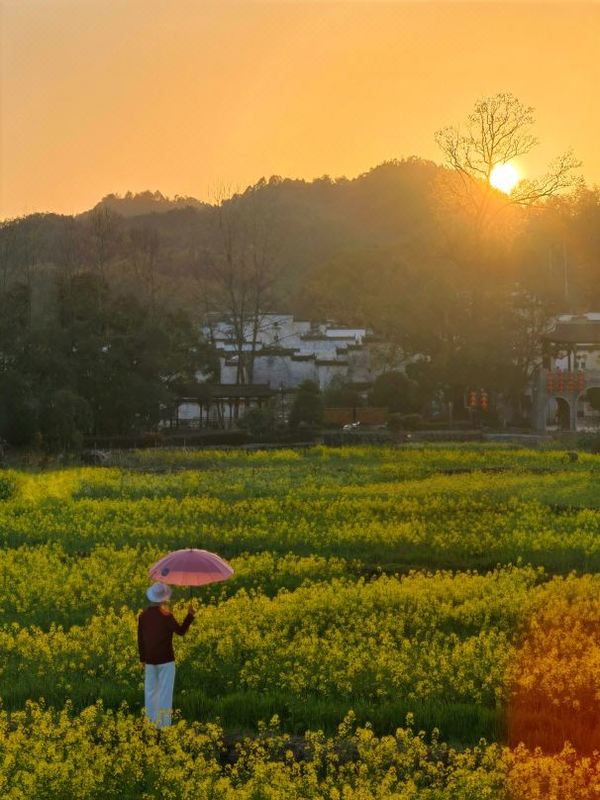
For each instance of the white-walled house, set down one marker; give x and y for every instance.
(287, 353)
(290, 351)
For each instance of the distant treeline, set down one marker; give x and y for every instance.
(100, 311)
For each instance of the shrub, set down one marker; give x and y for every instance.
(405, 422)
(394, 391)
(8, 485)
(307, 410)
(258, 422)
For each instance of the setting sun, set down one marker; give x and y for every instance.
(504, 177)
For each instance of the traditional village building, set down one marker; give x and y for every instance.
(567, 385)
(204, 405)
(287, 352)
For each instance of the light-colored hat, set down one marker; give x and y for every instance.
(158, 592)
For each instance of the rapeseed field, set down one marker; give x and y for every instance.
(402, 623)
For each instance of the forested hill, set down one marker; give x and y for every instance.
(393, 248)
(137, 205)
(311, 222)
(326, 237)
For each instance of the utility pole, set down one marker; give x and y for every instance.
(281, 402)
(565, 272)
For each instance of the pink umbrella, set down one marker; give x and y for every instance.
(190, 568)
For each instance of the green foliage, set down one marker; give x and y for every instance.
(8, 484)
(99, 361)
(589, 442)
(65, 420)
(142, 203)
(115, 755)
(340, 394)
(405, 422)
(394, 391)
(18, 408)
(259, 422)
(307, 410)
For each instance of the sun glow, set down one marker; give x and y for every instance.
(504, 177)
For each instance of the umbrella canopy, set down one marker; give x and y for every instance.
(190, 568)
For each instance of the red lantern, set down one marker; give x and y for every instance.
(549, 382)
(561, 382)
(571, 381)
(484, 400)
(580, 380)
(472, 399)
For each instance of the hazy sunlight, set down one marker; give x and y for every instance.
(504, 177)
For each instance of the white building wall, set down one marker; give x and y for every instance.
(188, 411)
(228, 372)
(272, 369)
(290, 332)
(591, 358)
(326, 372)
(324, 347)
(360, 363)
(282, 369)
(356, 334)
(303, 371)
(590, 315)
(274, 330)
(359, 366)
(273, 327)
(230, 347)
(585, 358)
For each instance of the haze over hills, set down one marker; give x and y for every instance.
(311, 221)
(387, 182)
(139, 203)
(338, 246)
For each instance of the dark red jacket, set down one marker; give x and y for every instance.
(155, 634)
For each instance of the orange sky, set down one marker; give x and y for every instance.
(102, 96)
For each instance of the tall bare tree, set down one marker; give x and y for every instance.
(104, 230)
(498, 130)
(143, 250)
(480, 222)
(238, 270)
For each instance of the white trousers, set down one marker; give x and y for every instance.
(158, 692)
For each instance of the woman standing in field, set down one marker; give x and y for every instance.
(156, 626)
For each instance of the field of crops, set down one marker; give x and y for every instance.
(383, 600)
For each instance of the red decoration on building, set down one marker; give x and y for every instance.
(472, 399)
(549, 382)
(580, 380)
(483, 399)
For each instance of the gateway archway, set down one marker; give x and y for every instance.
(558, 414)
